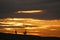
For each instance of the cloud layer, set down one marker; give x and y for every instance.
(51, 7)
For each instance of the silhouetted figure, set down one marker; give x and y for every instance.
(16, 37)
(15, 32)
(25, 32)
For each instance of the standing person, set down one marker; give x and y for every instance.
(15, 32)
(25, 32)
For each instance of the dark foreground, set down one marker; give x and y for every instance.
(4, 36)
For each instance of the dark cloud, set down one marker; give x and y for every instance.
(51, 7)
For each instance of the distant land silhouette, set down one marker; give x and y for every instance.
(6, 36)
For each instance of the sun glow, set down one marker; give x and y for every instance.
(18, 24)
(7, 28)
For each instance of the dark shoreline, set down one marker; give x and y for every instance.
(4, 36)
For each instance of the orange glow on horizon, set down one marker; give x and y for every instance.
(7, 28)
(43, 27)
(30, 21)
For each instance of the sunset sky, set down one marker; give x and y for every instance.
(33, 26)
(44, 14)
